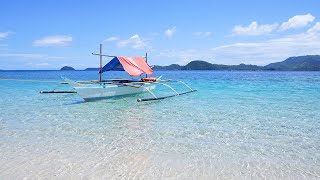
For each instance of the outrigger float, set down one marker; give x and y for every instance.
(134, 66)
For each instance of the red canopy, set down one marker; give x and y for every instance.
(135, 66)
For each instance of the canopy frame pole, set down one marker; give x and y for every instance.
(146, 62)
(100, 54)
(105, 55)
(100, 72)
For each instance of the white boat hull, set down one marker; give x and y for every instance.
(91, 92)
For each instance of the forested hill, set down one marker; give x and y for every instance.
(299, 63)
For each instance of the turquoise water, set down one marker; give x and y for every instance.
(238, 125)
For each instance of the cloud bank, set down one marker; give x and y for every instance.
(296, 22)
(259, 53)
(53, 41)
(5, 34)
(134, 42)
(254, 29)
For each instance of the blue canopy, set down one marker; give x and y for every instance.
(113, 65)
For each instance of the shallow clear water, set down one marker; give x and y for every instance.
(238, 125)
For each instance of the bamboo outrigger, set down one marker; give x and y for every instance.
(134, 66)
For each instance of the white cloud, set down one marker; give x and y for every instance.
(259, 53)
(315, 29)
(38, 65)
(254, 29)
(112, 38)
(59, 40)
(296, 22)
(170, 32)
(5, 34)
(55, 57)
(134, 42)
(43, 64)
(31, 56)
(202, 34)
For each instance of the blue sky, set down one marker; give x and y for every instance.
(51, 34)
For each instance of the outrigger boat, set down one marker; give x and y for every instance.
(134, 66)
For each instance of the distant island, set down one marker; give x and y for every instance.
(92, 69)
(203, 65)
(67, 68)
(298, 63)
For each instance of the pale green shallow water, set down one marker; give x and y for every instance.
(238, 125)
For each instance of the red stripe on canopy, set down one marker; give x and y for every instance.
(135, 66)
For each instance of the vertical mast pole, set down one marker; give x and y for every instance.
(146, 62)
(100, 62)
